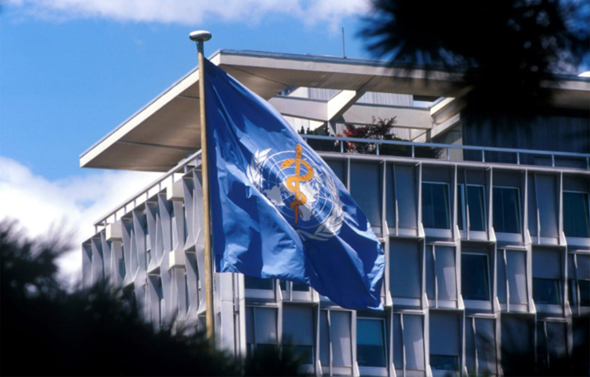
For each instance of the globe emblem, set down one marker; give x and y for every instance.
(304, 193)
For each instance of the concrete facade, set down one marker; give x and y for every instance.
(485, 259)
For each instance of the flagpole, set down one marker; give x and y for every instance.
(201, 36)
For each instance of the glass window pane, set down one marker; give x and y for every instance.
(365, 189)
(339, 169)
(298, 325)
(546, 194)
(546, 291)
(517, 345)
(300, 287)
(445, 273)
(324, 338)
(556, 341)
(475, 277)
(470, 346)
(506, 210)
(460, 206)
(405, 269)
(444, 362)
(546, 264)
(406, 191)
(476, 203)
(341, 340)
(249, 325)
(435, 206)
(501, 280)
(486, 345)
(516, 277)
(370, 347)
(414, 342)
(257, 283)
(266, 326)
(583, 271)
(444, 341)
(584, 287)
(397, 342)
(576, 222)
(444, 334)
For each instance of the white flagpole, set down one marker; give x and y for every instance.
(200, 37)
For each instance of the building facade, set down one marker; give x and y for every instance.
(487, 248)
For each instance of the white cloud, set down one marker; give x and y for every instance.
(68, 206)
(191, 12)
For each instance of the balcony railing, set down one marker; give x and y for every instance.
(383, 148)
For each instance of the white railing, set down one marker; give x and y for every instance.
(378, 147)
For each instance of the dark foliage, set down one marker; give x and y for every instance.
(505, 48)
(49, 331)
(320, 145)
(275, 361)
(381, 129)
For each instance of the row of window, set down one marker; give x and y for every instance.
(476, 276)
(367, 181)
(471, 209)
(408, 343)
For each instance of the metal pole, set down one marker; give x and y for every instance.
(200, 37)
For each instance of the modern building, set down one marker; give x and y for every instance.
(486, 234)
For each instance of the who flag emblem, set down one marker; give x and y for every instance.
(277, 210)
(307, 197)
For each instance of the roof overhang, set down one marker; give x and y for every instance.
(167, 129)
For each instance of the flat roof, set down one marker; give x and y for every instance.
(167, 129)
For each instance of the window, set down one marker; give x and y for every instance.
(444, 341)
(370, 344)
(546, 291)
(480, 346)
(546, 277)
(579, 279)
(475, 283)
(576, 220)
(258, 283)
(471, 202)
(261, 329)
(512, 277)
(155, 299)
(506, 210)
(435, 206)
(413, 340)
(365, 188)
(518, 355)
(335, 340)
(298, 329)
(551, 346)
(441, 279)
(296, 287)
(405, 269)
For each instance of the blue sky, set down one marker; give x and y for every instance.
(72, 70)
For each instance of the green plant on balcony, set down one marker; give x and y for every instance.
(381, 129)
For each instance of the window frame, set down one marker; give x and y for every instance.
(251, 347)
(462, 202)
(385, 348)
(489, 274)
(518, 205)
(331, 367)
(573, 294)
(261, 293)
(444, 232)
(587, 194)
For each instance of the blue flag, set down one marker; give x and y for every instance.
(277, 210)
